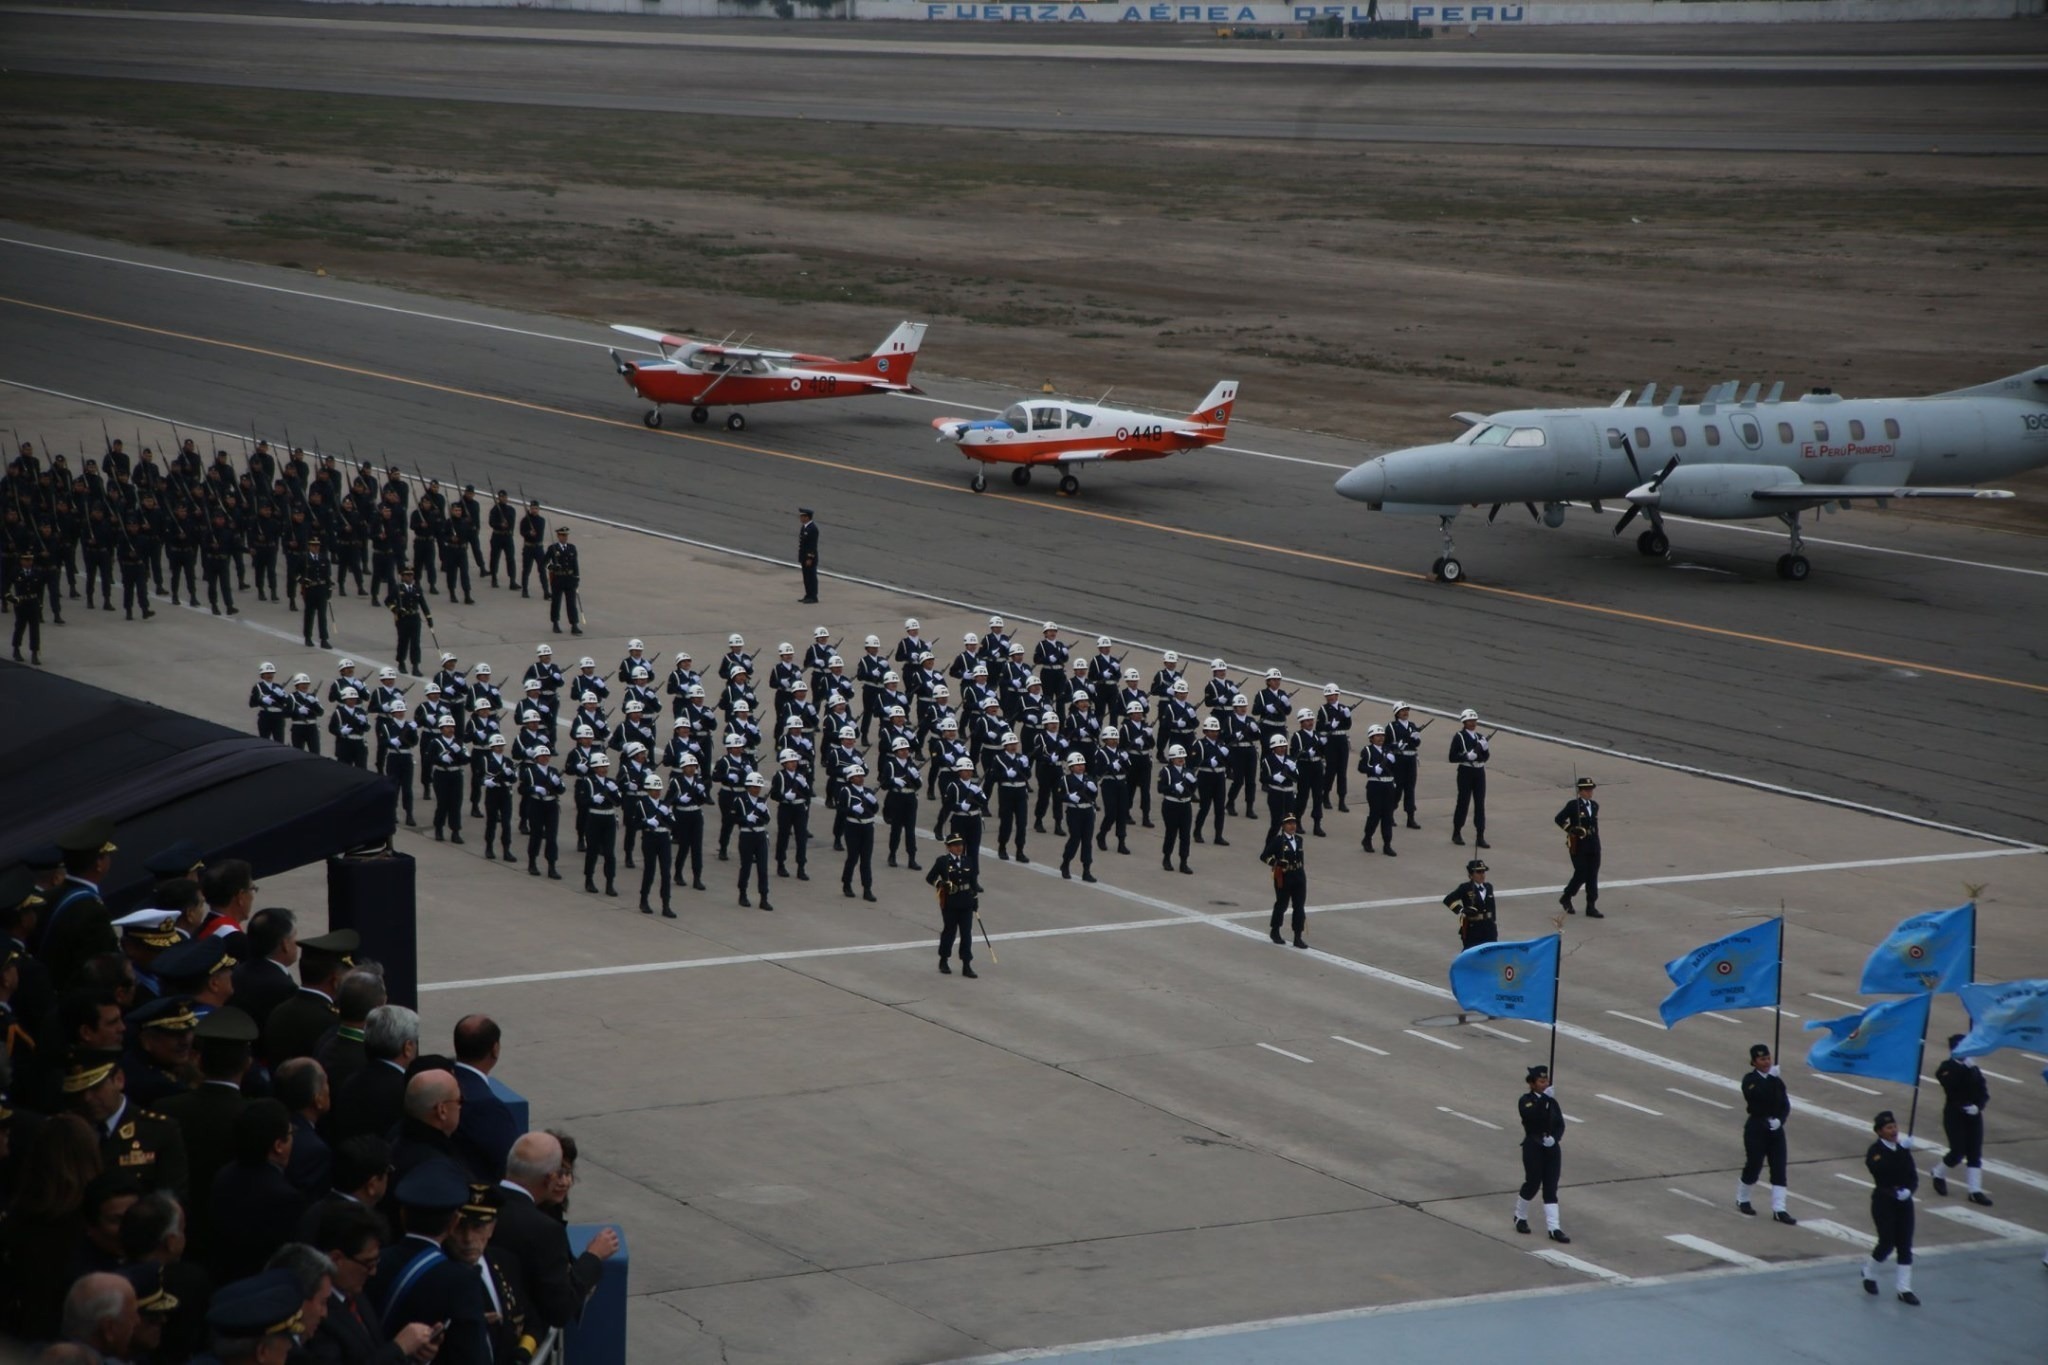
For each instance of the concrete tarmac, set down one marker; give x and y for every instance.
(1146, 1119)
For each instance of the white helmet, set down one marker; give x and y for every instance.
(433, 688)
(795, 725)
(1217, 665)
(653, 782)
(585, 732)
(1277, 742)
(800, 686)
(529, 717)
(872, 642)
(1075, 758)
(756, 780)
(1242, 701)
(683, 656)
(545, 651)
(632, 645)
(735, 742)
(1375, 731)
(1010, 737)
(1080, 666)
(1016, 651)
(1399, 707)
(383, 674)
(740, 708)
(636, 747)
(735, 639)
(787, 756)
(1130, 675)
(679, 722)
(835, 662)
(942, 691)
(1134, 708)
(1049, 629)
(639, 675)
(949, 724)
(349, 694)
(1331, 690)
(585, 662)
(901, 743)
(300, 680)
(980, 671)
(1108, 733)
(1102, 642)
(823, 634)
(1175, 751)
(1304, 714)
(848, 732)
(397, 708)
(633, 708)
(785, 648)
(910, 624)
(482, 703)
(1467, 714)
(447, 723)
(447, 657)
(963, 764)
(995, 623)
(532, 685)
(1081, 699)
(1180, 687)
(696, 691)
(1272, 675)
(346, 664)
(266, 668)
(892, 676)
(970, 638)
(1212, 724)
(894, 712)
(854, 770)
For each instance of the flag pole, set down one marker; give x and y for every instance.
(1913, 1113)
(1778, 1008)
(1556, 986)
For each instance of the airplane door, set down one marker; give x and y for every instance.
(1580, 454)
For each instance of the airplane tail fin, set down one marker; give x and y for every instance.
(1215, 409)
(890, 362)
(2030, 385)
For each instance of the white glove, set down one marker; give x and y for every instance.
(1904, 1194)
(1905, 1142)
(1773, 1071)
(1970, 1109)
(1775, 1124)
(1549, 1141)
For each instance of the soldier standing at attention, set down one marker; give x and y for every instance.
(1404, 737)
(1333, 720)
(1964, 1094)
(503, 521)
(1288, 859)
(1469, 752)
(1542, 1156)
(1376, 762)
(25, 589)
(1580, 821)
(687, 796)
(408, 606)
(959, 898)
(270, 702)
(533, 535)
(564, 575)
(791, 793)
(807, 552)
(500, 777)
(306, 710)
(1009, 776)
(445, 764)
(1472, 899)
(1176, 807)
(1893, 1178)
(1763, 1132)
(315, 582)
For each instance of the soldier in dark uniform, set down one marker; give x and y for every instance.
(350, 726)
(315, 582)
(1404, 737)
(1077, 799)
(398, 741)
(564, 575)
(653, 819)
(750, 819)
(387, 550)
(1110, 766)
(1177, 785)
(966, 809)
(1376, 764)
(1472, 900)
(1333, 723)
(1580, 821)
(457, 541)
(503, 521)
(445, 764)
(218, 546)
(959, 892)
(1241, 735)
(1542, 1152)
(540, 798)
(1893, 1178)
(1306, 746)
(1050, 659)
(807, 553)
(1008, 774)
(1210, 758)
(533, 538)
(1469, 753)
(899, 781)
(500, 777)
(138, 545)
(25, 591)
(857, 810)
(1281, 779)
(159, 1058)
(687, 796)
(96, 544)
(469, 1244)
(1964, 1096)
(791, 794)
(602, 802)
(1763, 1132)
(425, 525)
(303, 712)
(408, 608)
(1285, 855)
(266, 533)
(132, 1139)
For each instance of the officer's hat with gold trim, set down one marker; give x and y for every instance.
(87, 1067)
(265, 1305)
(482, 1204)
(151, 1295)
(91, 836)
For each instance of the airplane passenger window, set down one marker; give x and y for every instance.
(1855, 430)
(1643, 438)
(1891, 427)
(1713, 434)
(1820, 431)
(1526, 438)
(1613, 439)
(1490, 436)
(1045, 419)
(1678, 436)
(1750, 433)
(1785, 432)
(1077, 419)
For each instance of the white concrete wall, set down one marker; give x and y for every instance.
(1455, 13)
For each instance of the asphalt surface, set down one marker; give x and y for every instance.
(1990, 100)
(1913, 683)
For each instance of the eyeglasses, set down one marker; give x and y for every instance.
(367, 1262)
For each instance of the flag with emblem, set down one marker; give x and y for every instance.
(1883, 1042)
(1932, 951)
(1509, 980)
(1737, 972)
(2011, 1014)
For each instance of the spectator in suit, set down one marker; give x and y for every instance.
(351, 1334)
(360, 1180)
(301, 1086)
(341, 1052)
(488, 1129)
(206, 1115)
(100, 1313)
(374, 1101)
(263, 980)
(313, 1272)
(296, 1027)
(433, 1111)
(551, 1283)
(253, 1207)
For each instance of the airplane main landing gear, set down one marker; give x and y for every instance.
(653, 418)
(1793, 566)
(1021, 475)
(1447, 568)
(1069, 485)
(700, 415)
(979, 483)
(1654, 543)
(735, 422)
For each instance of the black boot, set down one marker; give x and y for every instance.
(967, 970)
(945, 968)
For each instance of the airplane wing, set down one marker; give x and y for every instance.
(753, 353)
(661, 339)
(1833, 492)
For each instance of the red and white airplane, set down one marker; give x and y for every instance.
(696, 372)
(1053, 431)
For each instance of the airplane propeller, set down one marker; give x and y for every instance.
(1655, 484)
(622, 366)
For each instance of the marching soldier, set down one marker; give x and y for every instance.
(1138, 742)
(651, 815)
(533, 538)
(857, 808)
(477, 735)
(1376, 762)
(1176, 809)
(1178, 723)
(966, 808)
(500, 777)
(408, 609)
(1893, 1178)
(601, 801)
(1469, 752)
(1220, 693)
(1008, 773)
(1288, 859)
(457, 539)
(1404, 737)
(898, 780)
(1472, 901)
(1763, 1132)
(1241, 733)
(96, 545)
(305, 713)
(445, 762)
(1280, 779)
(540, 798)
(1110, 766)
(1211, 762)
(1050, 659)
(397, 740)
(729, 776)
(1078, 797)
(1580, 821)
(1542, 1154)
(564, 576)
(503, 521)
(959, 898)
(315, 583)
(871, 671)
(1305, 746)
(218, 546)
(425, 524)
(687, 796)
(138, 544)
(1333, 722)
(750, 816)
(387, 552)
(1964, 1095)
(1271, 707)
(350, 726)
(270, 702)
(25, 591)
(791, 793)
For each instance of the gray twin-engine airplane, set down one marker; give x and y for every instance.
(1719, 458)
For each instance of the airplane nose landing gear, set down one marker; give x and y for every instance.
(1793, 567)
(1447, 568)
(979, 483)
(1654, 543)
(653, 418)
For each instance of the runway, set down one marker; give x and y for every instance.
(1911, 684)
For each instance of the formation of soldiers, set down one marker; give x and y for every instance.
(220, 1141)
(302, 528)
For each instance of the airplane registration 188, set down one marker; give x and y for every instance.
(1723, 457)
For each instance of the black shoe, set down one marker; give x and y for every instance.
(696, 886)
(1388, 849)
(916, 866)
(1366, 844)
(1979, 1197)
(667, 913)
(1123, 847)
(439, 837)
(945, 968)
(1274, 934)
(1020, 856)
(846, 890)
(745, 902)
(1522, 1225)
(723, 857)
(645, 908)
(867, 895)
(533, 869)
(1222, 842)
(1457, 837)
(1481, 842)
(232, 611)
(782, 872)
(1199, 839)
(553, 875)
(590, 886)
(456, 837)
(802, 875)
(1940, 1185)
(1300, 942)
(1004, 854)
(469, 601)
(1185, 868)
(1869, 1286)
(766, 906)
(610, 890)
(575, 630)
(967, 970)
(1413, 823)
(1566, 902)
(892, 860)
(1319, 830)
(1038, 825)
(1780, 1216)
(1592, 913)
(1087, 876)
(1910, 1299)
(1557, 1235)
(1065, 872)
(1743, 1206)
(1166, 864)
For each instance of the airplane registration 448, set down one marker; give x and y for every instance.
(1723, 457)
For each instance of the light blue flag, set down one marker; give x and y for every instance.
(1509, 980)
(1882, 1043)
(1732, 973)
(2014, 1014)
(1929, 952)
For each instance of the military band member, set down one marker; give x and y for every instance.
(500, 779)
(445, 762)
(314, 580)
(1893, 1178)
(1964, 1096)
(564, 577)
(1285, 855)
(651, 814)
(857, 808)
(959, 897)
(687, 797)
(503, 520)
(1008, 773)
(1211, 761)
(398, 738)
(408, 609)
(1176, 806)
(1376, 764)
(540, 799)
(1542, 1152)
(270, 702)
(533, 539)
(350, 726)
(1469, 753)
(1580, 821)
(1078, 795)
(1763, 1132)
(304, 715)
(1472, 900)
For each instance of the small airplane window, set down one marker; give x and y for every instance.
(1490, 436)
(1526, 438)
(1820, 431)
(1891, 427)
(1855, 430)
(1017, 419)
(1785, 432)
(1613, 439)
(1643, 437)
(1713, 434)
(1077, 419)
(1045, 419)
(1678, 436)
(1750, 433)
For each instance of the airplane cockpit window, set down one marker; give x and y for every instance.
(1525, 438)
(1490, 436)
(1045, 419)
(1016, 418)
(1748, 431)
(1078, 419)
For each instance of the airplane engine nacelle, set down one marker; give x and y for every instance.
(1715, 491)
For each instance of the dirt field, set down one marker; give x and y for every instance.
(1357, 289)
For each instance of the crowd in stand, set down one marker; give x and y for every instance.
(220, 1142)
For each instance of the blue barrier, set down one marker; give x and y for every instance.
(599, 1336)
(516, 1102)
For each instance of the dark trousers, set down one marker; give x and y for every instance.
(899, 809)
(860, 856)
(728, 821)
(270, 725)
(811, 579)
(1116, 814)
(1336, 770)
(563, 593)
(1280, 803)
(655, 868)
(1540, 1168)
(409, 643)
(1080, 838)
(1965, 1133)
(31, 626)
(448, 800)
(543, 830)
(1244, 777)
(220, 589)
(477, 758)
(498, 818)
(383, 574)
(1179, 818)
(182, 562)
(1290, 892)
(455, 570)
(99, 567)
(1049, 782)
(1405, 768)
(1209, 787)
(1010, 816)
(1585, 872)
(263, 560)
(398, 767)
(689, 845)
(314, 613)
(501, 546)
(353, 752)
(135, 593)
(792, 826)
(1760, 1146)
(968, 827)
(304, 736)
(1893, 1219)
(958, 921)
(754, 858)
(529, 565)
(870, 711)
(423, 560)
(1310, 801)
(1379, 807)
(1472, 797)
(601, 845)
(1472, 933)
(1141, 787)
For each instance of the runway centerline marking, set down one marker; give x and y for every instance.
(1688, 1194)
(1834, 1000)
(1048, 506)
(1362, 1047)
(1459, 1114)
(1440, 1042)
(1565, 1260)
(1631, 1104)
(1636, 1019)
(1499, 1032)
(1846, 1085)
(1308, 1061)
(1808, 1199)
(1700, 1099)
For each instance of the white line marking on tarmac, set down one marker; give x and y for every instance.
(1834, 1000)
(1872, 549)
(1688, 1194)
(1440, 1042)
(1789, 1014)
(1362, 1047)
(1808, 1199)
(1716, 1250)
(1844, 1175)
(1636, 1019)
(1984, 1222)
(1290, 459)
(1724, 1018)
(1573, 1118)
(1499, 1032)
(2034, 1056)
(1847, 1085)
(1702, 1099)
(1928, 1080)
(1631, 1104)
(1570, 1262)
(1827, 1227)
(1285, 1053)
(1446, 1109)
(1996, 1076)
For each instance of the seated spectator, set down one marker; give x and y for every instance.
(374, 1101)
(341, 1052)
(552, 1283)
(351, 1333)
(44, 1231)
(361, 1178)
(301, 1086)
(433, 1111)
(263, 980)
(99, 1312)
(253, 1208)
(487, 1130)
